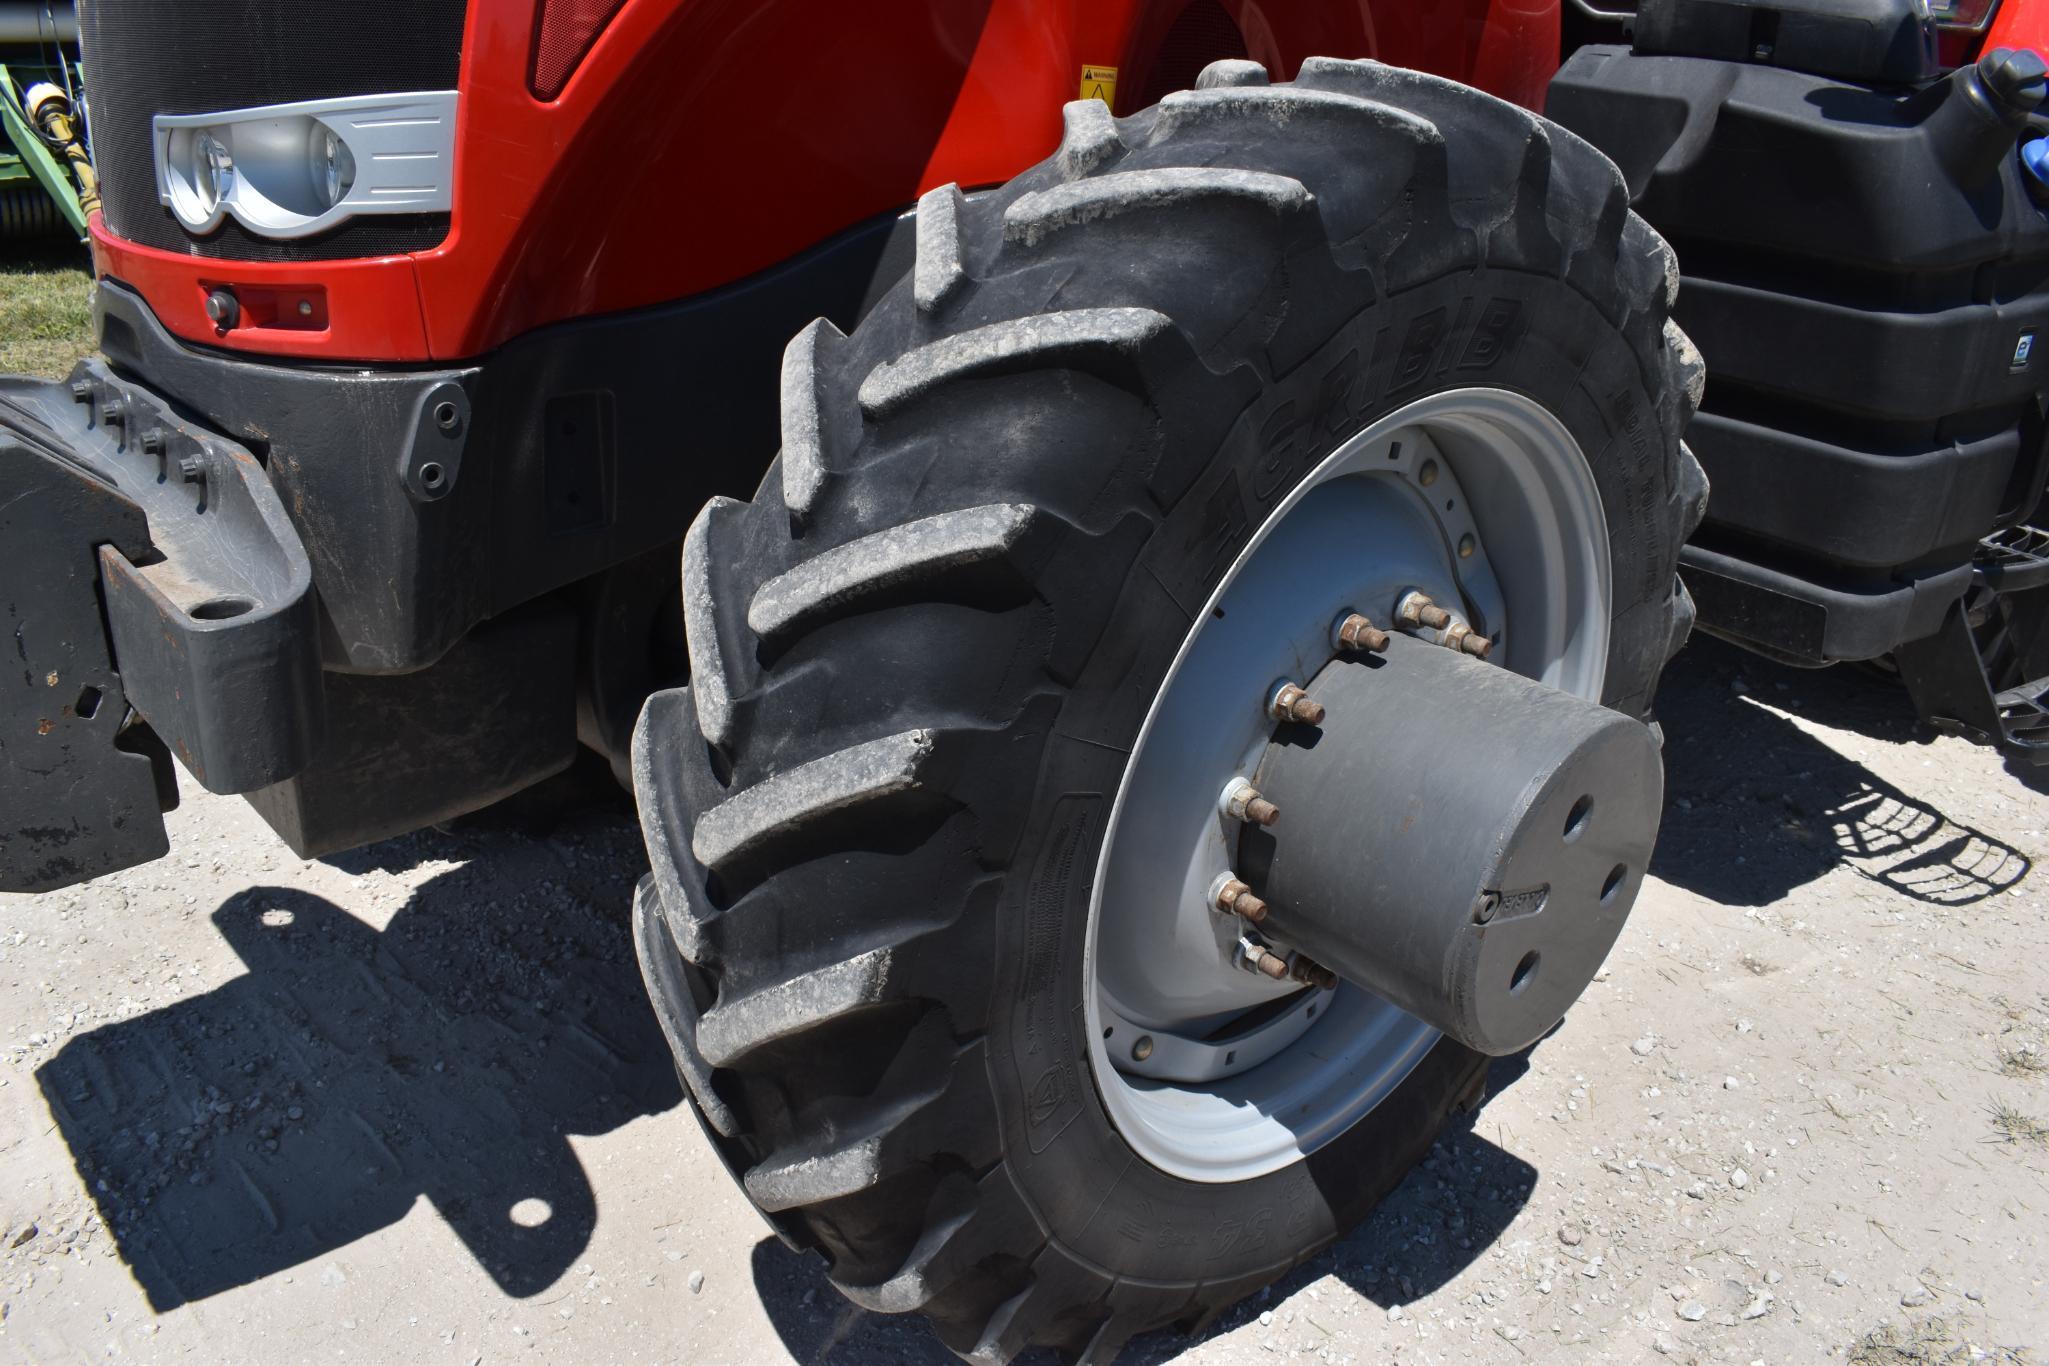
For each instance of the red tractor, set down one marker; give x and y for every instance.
(1178, 701)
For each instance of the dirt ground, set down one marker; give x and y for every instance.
(407, 1104)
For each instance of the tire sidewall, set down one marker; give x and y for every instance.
(1103, 1203)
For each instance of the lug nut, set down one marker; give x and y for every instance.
(1417, 609)
(1235, 898)
(1461, 637)
(1290, 703)
(1264, 959)
(1307, 970)
(1241, 802)
(1356, 633)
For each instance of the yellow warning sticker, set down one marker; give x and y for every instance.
(1100, 83)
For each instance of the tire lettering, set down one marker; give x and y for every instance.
(1458, 329)
(1289, 437)
(1233, 1235)
(1419, 348)
(1280, 447)
(1494, 335)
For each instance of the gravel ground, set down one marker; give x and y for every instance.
(406, 1103)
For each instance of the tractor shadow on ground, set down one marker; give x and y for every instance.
(1755, 806)
(314, 1099)
(1443, 1216)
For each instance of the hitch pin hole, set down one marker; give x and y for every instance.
(222, 608)
(1524, 971)
(1576, 819)
(1614, 882)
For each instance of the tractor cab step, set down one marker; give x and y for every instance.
(1993, 634)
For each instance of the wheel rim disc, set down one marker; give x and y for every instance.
(1241, 1075)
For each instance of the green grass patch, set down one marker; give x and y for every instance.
(45, 308)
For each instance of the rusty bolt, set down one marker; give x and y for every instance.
(1417, 609)
(1461, 637)
(1241, 802)
(1356, 633)
(1290, 703)
(1267, 961)
(1235, 898)
(1307, 970)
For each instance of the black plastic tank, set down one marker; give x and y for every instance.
(1864, 252)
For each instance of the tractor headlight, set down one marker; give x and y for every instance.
(289, 170)
(192, 167)
(334, 166)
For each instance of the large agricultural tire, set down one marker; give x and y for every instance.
(921, 656)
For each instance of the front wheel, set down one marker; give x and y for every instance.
(1177, 700)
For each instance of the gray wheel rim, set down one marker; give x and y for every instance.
(1479, 497)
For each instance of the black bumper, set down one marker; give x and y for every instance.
(130, 534)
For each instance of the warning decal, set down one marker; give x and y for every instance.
(1100, 83)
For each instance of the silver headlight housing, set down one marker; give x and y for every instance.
(292, 170)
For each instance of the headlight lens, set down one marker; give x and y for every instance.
(213, 169)
(334, 166)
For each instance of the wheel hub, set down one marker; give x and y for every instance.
(1481, 878)
(1222, 1045)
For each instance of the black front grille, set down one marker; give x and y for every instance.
(149, 57)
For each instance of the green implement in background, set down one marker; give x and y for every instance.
(31, 159)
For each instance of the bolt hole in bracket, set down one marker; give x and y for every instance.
(431, 461)
(1175, 1058)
